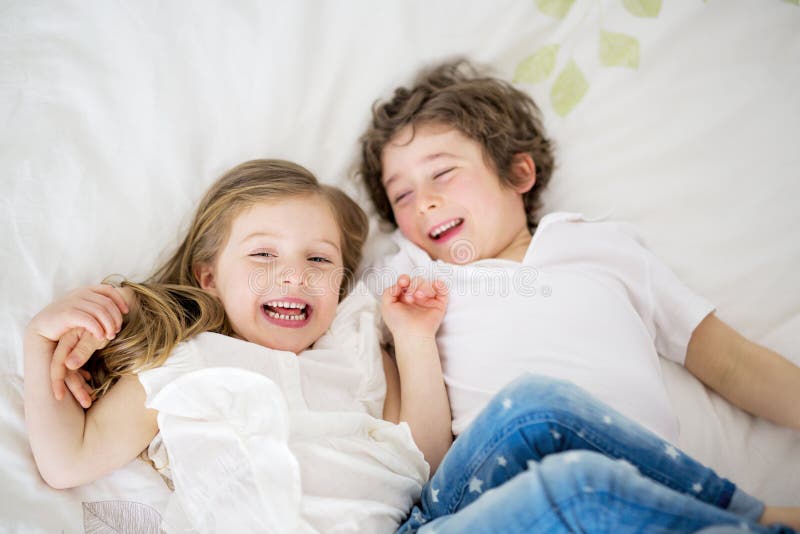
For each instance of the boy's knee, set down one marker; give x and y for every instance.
(586, 471)
(537, 392)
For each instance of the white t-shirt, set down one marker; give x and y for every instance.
(588, 303)
(255, 439)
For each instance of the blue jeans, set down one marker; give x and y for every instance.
(545, 456)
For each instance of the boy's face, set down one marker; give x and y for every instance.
(446, 198)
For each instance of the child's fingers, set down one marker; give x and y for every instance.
(110, 307)
(114, 294)
(414, 285)
(59, 389)
(425, 290)
(77, 386)
(80, 318)
(395, 291)
(440, 287)
(111, 299)
(58, 370)
(83, 350)
(399, 288)
(102, 312)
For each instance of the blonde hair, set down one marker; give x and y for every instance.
(171, 307)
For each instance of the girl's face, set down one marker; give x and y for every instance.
(278, 276)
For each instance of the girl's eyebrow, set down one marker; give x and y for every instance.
(257, 234)
(269, 234)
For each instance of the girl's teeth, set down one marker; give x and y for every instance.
(298, 317)
(279, 304)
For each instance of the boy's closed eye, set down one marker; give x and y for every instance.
(443, 173)
(401, 196)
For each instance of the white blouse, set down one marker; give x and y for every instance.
(256, 439)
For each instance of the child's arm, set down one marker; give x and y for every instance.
(76, 346)
(750, 376)
(413, 314)
(72, 446)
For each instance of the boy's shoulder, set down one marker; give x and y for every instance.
(566, 236)
(582, 226)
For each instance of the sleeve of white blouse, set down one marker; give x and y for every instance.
(670, 309)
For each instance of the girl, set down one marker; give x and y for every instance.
(268, 257)
(204, 372)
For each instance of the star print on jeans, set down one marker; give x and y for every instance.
(475, 485)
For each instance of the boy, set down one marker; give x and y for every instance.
(457, 162)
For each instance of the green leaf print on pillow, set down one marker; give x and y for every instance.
(568, 89)
(555, 8)
(643, 8)
(538, 66)
(619, 50)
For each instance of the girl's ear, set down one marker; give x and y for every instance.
(204, 273)
(523, 170)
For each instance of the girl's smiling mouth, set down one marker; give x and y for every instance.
(287, 312)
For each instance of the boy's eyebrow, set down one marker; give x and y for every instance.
(426, 159)
(269, 234)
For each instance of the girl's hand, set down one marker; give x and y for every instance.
(74, 349)
(414, 307)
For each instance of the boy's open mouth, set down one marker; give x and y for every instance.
(446, 229)
(287, 312)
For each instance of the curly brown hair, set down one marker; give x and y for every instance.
(503, 119)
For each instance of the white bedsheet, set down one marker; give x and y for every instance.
(683, 120)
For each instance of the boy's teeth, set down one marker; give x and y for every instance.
(438, 231)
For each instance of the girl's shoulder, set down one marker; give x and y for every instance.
(209, 350)
(351, 346)
(357, 316)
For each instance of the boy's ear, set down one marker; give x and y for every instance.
(204, 273)
(523, 170)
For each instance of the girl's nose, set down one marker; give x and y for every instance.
(292, 274)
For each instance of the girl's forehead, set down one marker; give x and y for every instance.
(307, 217)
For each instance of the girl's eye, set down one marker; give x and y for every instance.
(319, 259)
(263, 255)
(442, 173)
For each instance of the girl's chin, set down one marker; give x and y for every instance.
(295, 346)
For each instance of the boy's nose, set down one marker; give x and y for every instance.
(427, 201)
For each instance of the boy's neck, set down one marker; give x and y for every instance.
(517, 248)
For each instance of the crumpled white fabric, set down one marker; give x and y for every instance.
(256, 439)
(233, 470)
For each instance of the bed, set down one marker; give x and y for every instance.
(680, 116)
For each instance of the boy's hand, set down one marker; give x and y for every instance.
(414, 307)
(98, 309)
(74, 349)
(85, 319)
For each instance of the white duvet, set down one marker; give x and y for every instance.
(680, 116)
